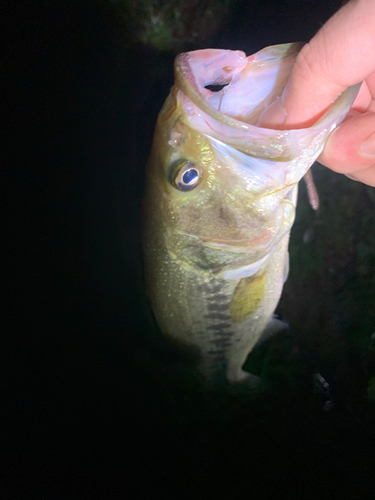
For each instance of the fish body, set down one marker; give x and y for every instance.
(220, 201)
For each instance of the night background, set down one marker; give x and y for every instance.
(95, 402)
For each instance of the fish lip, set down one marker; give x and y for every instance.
(228, 244)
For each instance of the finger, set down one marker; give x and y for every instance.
(363, 99)
(340, 55)
(366, 176)
(370, 82)
(350, 148)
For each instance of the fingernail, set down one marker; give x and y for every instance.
(274, 116)
(279, 112)
(367, 148)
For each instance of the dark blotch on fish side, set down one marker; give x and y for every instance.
(218, 316)
(219, 326)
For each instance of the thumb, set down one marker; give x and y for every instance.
(340, 55)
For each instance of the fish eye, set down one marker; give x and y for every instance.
(185, 175)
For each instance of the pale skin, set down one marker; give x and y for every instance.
(341, 54)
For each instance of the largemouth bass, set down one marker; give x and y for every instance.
(220, 202)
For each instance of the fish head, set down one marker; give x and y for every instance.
(205, 190)
(222, 186)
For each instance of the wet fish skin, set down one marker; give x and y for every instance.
(216, 256)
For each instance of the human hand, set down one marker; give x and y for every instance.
(341, 54)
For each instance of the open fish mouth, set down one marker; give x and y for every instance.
(249, 84)
(253, 84)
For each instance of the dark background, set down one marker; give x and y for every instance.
(95, 403)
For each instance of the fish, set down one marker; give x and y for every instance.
(220, 200)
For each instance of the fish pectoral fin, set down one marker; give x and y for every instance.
(247, 297)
